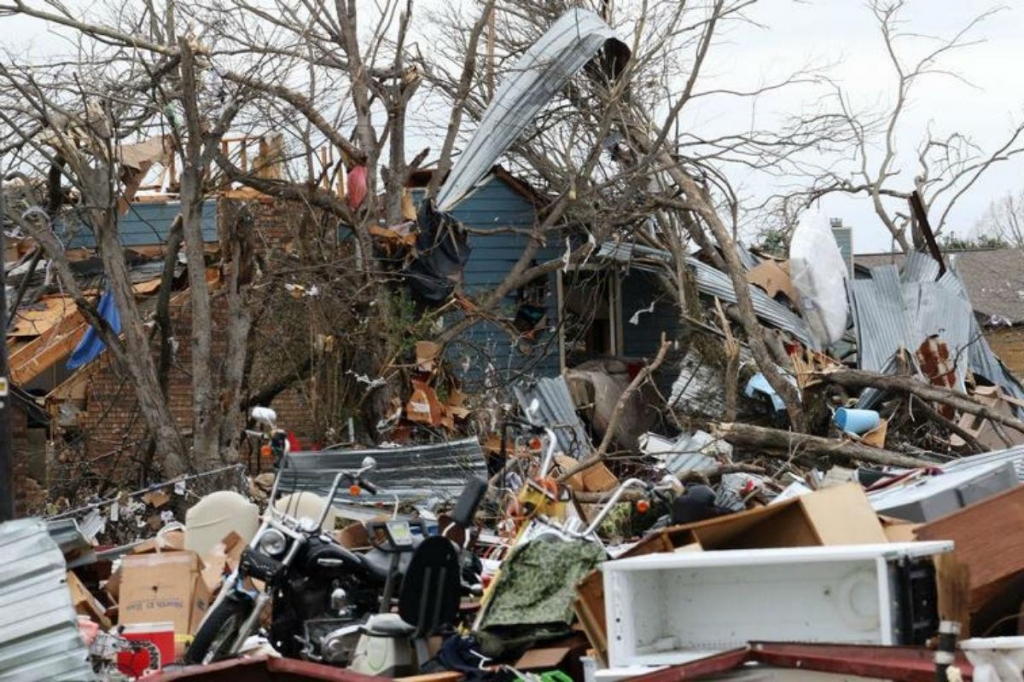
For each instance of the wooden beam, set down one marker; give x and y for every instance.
(785, 442)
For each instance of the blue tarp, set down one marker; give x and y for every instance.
(91, 345)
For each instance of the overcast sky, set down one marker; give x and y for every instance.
(841, 33)
(844, 33)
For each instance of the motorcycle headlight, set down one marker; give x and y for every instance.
(273, 542)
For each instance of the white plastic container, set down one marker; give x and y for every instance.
(667, 609)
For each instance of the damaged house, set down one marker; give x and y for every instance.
(77, 399)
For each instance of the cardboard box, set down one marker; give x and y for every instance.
(224, 556)
(167, 586)
(840, 515)
(85, 603)
(171, 541)
(599, 479)
(353, 536)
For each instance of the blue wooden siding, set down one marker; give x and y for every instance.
(639, 290)
(145, 224)
(643, 339)
(487, 350)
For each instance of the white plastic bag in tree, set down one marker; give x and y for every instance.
(819, 273)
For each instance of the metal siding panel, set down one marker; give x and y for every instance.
(38, 625)
(415, 474)
(532, 82)
(556, 410)
(495, 205)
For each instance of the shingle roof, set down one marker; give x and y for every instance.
(994, 278)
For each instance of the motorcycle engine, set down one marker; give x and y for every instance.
(337, 639)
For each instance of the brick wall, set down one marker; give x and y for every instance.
(29, 486)
(110, 422)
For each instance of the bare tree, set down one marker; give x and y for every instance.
(652, 183)
(947, 166)
(83, 123)
(1003, 220)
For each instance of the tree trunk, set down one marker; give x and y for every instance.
(205, 406)
(239, 324)
(754, 331)
(787, 443)
(170, 449)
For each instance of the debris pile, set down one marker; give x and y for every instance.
(827, 479)
(589, 529)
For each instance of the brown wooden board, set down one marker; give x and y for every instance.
(988, 538)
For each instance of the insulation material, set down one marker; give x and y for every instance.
(819, 274)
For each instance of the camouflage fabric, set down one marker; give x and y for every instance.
(538, 583)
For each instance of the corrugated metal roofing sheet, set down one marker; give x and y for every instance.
(925, 304)
(77, 550)
(38, 627)
(699, 388)
(934, 310)
(687, 453)
(415, 473)
(879, 317)
(749, 260)
(534, 80)
(919, 267)
(711, 282)
(556, 410)
(1012, 455)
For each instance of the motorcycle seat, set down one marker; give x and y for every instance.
(378, 562)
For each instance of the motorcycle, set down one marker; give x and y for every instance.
(301, 569)
(321, 593)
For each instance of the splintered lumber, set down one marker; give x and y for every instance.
(788, 442)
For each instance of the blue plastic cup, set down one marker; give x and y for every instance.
(857, 422)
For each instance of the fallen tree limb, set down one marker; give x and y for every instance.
(609, 434)
(775, 440)
(856, 378)
(932, 414)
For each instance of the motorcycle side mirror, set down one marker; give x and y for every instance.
(531, 411)
(469, 500)
(264, 415)
(369, 463)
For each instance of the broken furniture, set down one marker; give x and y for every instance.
(989, 540)
(667, 609)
